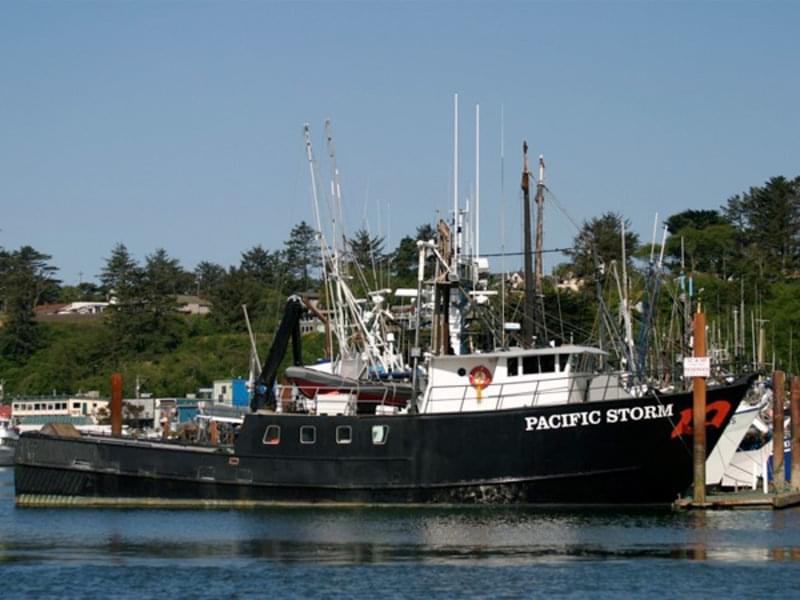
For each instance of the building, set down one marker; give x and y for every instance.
(231, 392)
(80, 410)
(193, 305)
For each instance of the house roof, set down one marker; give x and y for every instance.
(47, 309)
(189, 299)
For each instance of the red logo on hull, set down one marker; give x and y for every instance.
(720, 408)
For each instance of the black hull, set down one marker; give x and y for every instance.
(592, 453)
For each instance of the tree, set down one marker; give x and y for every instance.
(25, 279)
(120, 273)
(236, 288)
(704, 239)
(143, 317)
(768, 222)
(600, 238)
(405, 261)
(302, 254)
(208, 276)
(162, 280)
(268, 268)
(366, 255)
(697, 219)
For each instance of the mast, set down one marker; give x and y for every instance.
(626, 313)
(541, 324)
(322, 245)
(528, 306)
(336, 299)
(477, 187)
(455, 183)
(502, 230)
(539, 226)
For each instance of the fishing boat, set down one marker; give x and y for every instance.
(530, 426)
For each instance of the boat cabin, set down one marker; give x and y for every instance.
(516, 378)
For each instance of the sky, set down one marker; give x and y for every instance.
(179, 125)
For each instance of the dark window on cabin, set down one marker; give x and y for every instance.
(308, 434)
(344, 434)
(530, 365)
(547, 363)
(512, 366)
(563, 361)
(379, 434)
(272, 435)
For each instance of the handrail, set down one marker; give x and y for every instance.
(498, 395)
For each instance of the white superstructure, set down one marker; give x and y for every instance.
(516, 378)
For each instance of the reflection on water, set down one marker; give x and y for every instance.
(429, 540)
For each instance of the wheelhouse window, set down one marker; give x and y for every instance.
(547, 363)
(344, 434)
(563, 361)
(308, 434)
(530, 365)
(272, 436)
(380, 433)
(512, 366)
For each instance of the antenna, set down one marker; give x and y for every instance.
(653, 243)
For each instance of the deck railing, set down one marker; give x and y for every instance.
(573, 388)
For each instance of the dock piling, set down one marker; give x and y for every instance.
(213, 433)
(699, 414)
(779, 394)
(794, 411)
(116, 405)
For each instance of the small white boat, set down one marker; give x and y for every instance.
(8, 442)
(720, 459)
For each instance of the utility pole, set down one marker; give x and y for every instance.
(528, 306)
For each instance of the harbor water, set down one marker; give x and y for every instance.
(310, 552)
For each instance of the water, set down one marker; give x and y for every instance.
(394, 553)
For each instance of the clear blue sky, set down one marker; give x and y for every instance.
(179, 124)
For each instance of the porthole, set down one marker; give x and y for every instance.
(272, 436)
(379, 434)
(344, 434)
(308, 434)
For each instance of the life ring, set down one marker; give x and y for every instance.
(480, 378)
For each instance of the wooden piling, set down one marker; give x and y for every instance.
(116, 405)
(778, 476)
(213, 433)
(794, 410)
(699, 413)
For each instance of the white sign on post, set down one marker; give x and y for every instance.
(696, 366)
